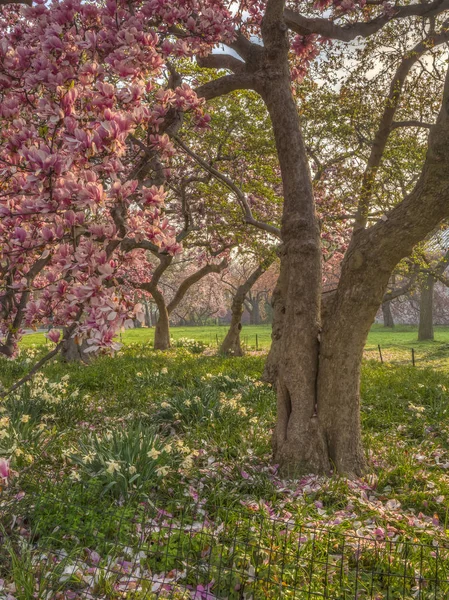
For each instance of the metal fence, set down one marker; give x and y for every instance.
(190, 552)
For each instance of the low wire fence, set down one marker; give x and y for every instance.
(188, 552)
(419, 356)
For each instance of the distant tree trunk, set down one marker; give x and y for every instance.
(231, 343)
(425, 329)
(387, 314)
(254, 312)
(148, 322)
(162, 330)
(72, 351)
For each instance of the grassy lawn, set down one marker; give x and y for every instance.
(151, 466)
(396, 344)
(208, 335)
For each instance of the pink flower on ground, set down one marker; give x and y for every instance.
(5, 471)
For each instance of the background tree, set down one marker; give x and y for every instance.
(251, 271)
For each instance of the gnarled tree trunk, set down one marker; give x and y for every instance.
(298, 442)
(316, 358)
(231, 343)
(387, 314)
(425, 328)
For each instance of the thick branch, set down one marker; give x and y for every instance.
(221, 61)
(393, 238)
(346, 33)
(192, 279)
(225, 85)
(386, 124)
(411, 123)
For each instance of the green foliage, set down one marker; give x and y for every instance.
(217, 419)
(123, 461)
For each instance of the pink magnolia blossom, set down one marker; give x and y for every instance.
(5, 471)
(54, 335)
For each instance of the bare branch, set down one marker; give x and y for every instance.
(411, 123)
(221, 61)
(248, 216)
(346, 33)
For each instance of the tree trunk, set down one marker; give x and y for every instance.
(162, 329)
(387, 315)
(147, 315)
(72, 351)
(299, 443)
(231, 343)
(254, 313)
(425, 329)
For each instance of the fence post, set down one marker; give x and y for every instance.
(413, 356)
(380, 354)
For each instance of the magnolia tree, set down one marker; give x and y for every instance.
(80, 89)
(51, 53)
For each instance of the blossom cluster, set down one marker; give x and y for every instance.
(81, 89)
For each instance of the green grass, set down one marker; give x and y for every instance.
(207, 334)
(400, 335)
(76, 434)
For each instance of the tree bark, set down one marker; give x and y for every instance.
(162, 329)
(72, 351)
(298, 442)
(425, 328)
(387, 314)
(231, 343)
(148, 322)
